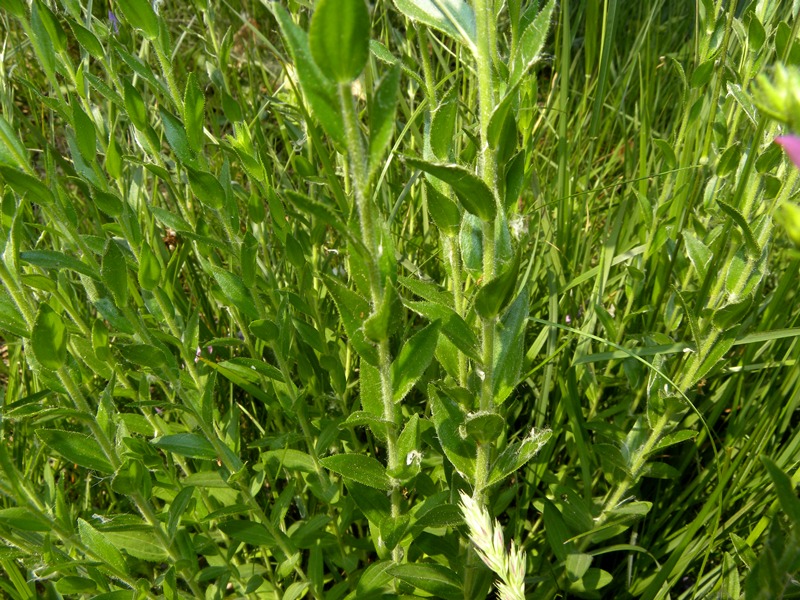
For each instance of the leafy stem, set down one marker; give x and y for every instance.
(358, 162)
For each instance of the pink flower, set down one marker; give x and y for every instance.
(791, 145)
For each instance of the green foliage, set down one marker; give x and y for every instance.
(278, 290)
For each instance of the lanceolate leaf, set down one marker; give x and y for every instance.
(194, 103)
(114, 273)
(509, 347)
(517, 455)
(471, 190)
(102, 548)
(359, 468)
(207, 188)
(186, 444)
(339, 38)
(234, 290)
(176, 137)
(531, 42)
(495, 294)
(453, 326)
(354, 310)
(443, 210)
(77, 448)
(413, 359)
(382, 116)
(22, 184)
(317, 88)
(141, 15)
(49, 338)
(448, 418)
(453, 17)
(433, 578)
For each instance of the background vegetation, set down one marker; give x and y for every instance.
(272, 302)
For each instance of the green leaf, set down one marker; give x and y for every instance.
(676, 437)
(114, 273)
(77, 448)
(134, 106)
(433, 578)
(50, 22)
(360, 468)
(666, 152)
(698, 252)
(499, 117)
(193, 107)
(265, 330)
(339, 38)
(577, 564)
(87, 39)
(509, 347)
(453, 17)
(753, 246)
(413, 360)
(207, 188)
(408, 444)
(443, 126)
(470, 239)
(495, 295)
(532, 42)
(100, 546)
(108, 202)
(23, 519)
(393, 529)
(12, 152)
(379, 323)
(249, 367)
(42, 42)
(353, 310)
(593, 580)
(453, 326)
(84, 131)
(23, 184)
(382, 110)
(556, 531)
(445, 212)
(517, 455)
(471, 190)
(137, 540)
(363, 418)
(141, 15)
(702, 74)
(72, 584)
(132, 478)
(192, 445)
(49, 338)
(317, 88)
(143, 355)
(484, 426)
(731, 587)
(248, 532)
(785, 490)
(235, 291)
(177, 138)
(149, 268)
(448, 418)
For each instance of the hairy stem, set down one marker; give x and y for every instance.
(358, 163)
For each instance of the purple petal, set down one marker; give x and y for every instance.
(791, 145)
(113, 20)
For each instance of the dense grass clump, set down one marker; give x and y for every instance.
(410, 298)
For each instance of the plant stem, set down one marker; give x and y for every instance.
(358, 162)
(486, 51)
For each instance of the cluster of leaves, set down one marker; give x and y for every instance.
(274, 298)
